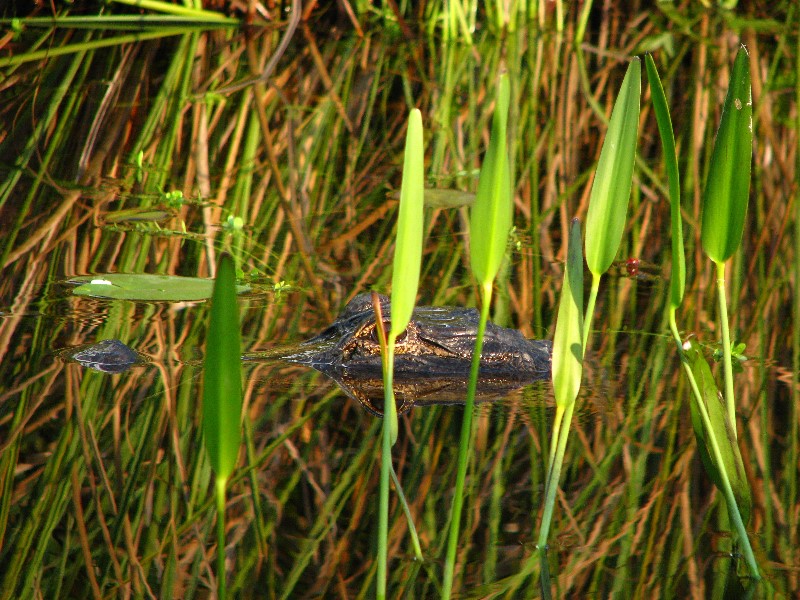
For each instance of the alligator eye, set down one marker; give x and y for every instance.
(373, 335)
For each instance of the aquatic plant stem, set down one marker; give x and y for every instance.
(587, 327)
(383, 518)
(727, 489)
(464, 445)
(404, 504)
(220, 485)
(563, 419)
(386, 462)
(726, 345)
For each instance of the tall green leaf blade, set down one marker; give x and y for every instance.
(490, 218)
(608, 204)
(568, 338)
(222, 389)
(410, 223)
(661, 109)
(721, 430)
(728, 183)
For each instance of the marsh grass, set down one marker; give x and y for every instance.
(102, 486)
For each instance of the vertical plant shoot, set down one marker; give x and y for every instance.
(405, 278)
(728, 184)
(608, 203)
(726, 193)
(490, 218)
(714, 428)
(490, 223)
(222, 395)
(661, 110)
(567, 370)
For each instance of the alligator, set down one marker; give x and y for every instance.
(432, 357)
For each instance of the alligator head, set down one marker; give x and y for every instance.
(435, 351)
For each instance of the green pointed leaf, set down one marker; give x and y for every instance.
(661, 109)
(611, 189)
(721, 431)
(728, 182)
(490, 218)
(222, 372)
(568, 338)
(407, 255)
(410, 222)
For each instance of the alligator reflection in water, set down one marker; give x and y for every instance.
(432, 358)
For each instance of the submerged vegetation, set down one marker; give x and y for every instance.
(132, 155)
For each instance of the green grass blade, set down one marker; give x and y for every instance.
(608, 203)
(490, 219)
(661, 109)
(728, 184)
(196, 14)
(222, 389)
(465, 441)
(412, 529)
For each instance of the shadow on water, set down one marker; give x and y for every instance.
(124, 160)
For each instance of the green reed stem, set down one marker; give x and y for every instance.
(386, 461)
(730, 401)
(727, 489)
(220, 485)
(18, 59)
(563, 419)
(464, 445)
(404, 504)
(587, 325)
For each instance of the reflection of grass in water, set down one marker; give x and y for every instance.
(107, 470)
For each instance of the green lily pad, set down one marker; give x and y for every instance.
(146, 287)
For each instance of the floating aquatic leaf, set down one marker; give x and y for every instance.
(145, 287)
